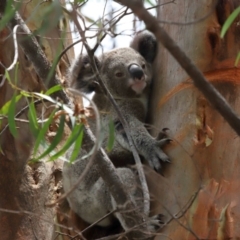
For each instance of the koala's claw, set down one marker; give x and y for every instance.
(162, 134)
(155, 222)
(156, 155)
(164, 141)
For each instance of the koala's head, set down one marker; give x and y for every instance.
(125, 71)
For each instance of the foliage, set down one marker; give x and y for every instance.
(40, 127)
(227, 25)
(229, 21)
(9, 14)
(61, 113)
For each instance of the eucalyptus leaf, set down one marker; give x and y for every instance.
(72, 138)
(56, 140)
(32, 117)
(77, 147)
(11, 116)
(53, 89)
(237, 59)
(229, 21)
(41, 136)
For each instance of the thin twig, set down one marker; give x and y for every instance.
(15, 54)
(182, 214)
(208, 14)
(19, 113)
(36, 55)
(23, 120)
(21, 212)
(99, 220)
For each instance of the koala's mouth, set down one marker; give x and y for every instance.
(138, 86)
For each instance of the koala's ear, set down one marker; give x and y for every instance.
(146, 44)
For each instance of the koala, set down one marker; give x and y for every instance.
(127, 73)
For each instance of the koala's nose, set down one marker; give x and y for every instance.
(136, 71)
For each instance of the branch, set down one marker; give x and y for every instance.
(131, 217)
(200, 82)
(35, 55)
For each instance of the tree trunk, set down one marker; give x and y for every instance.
(199, 193)
(26, 188)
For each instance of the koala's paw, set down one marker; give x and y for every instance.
(155, 222)
(82, 76)
(156, 155)
(87, 85)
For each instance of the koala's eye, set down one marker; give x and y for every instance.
(143, 66)
(119, 74)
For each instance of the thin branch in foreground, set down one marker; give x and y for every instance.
(200, 82)
(15, 54)
(36, 56)
(28, 213)
(133, 218)
(126, 127)
(208, 14)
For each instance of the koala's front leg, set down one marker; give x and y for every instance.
(146, 145)
(82, 76)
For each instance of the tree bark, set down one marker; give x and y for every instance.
(199, 193)
(26, 188)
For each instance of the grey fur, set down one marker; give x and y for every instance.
(128, 76)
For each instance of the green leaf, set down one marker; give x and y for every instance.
(5, 108)
(51, 14)
(237, 59)
(80, 1)
(90, 20)
(41, 136)
(229, 21)
(72, 138)
(9, 12)
(151, 3)
(56, 139)
(53, 89)
(111, 136)
(48, 98)
(63, 106)
(11, 115)
(16, 73)
(77, 147)
(32, 117)
(26, 94)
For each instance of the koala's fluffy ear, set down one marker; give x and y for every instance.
(146, 44)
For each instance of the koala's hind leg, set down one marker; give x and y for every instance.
(104, 203)
(91, 200)
(132, 185)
